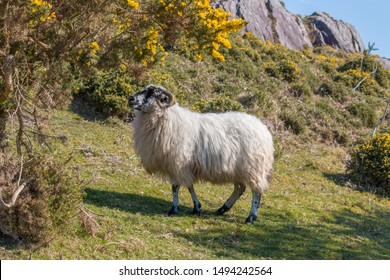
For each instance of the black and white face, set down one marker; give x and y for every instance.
(149, 99)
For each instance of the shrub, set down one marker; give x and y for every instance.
(367, 84)
(356, 69)
(217, 105)
(364, 112)
(370, 162)
(286, 70)
(299, 89)
(108, 92)
(333, 89)
(293, 121)
(48, 204)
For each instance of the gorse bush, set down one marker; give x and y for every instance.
(217, 105)
(364, 112)
(49, 203)
(333, 89)
(294, 122)
(372, 75)
(108, 92)
(370, 163)
(286, 70)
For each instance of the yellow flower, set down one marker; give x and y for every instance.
(123, 67)
(133, 4)
(217, 55)
(37, 2)
(94, 47)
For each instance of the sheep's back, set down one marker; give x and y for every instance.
(234, 147)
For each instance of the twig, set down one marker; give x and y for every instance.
(365, 78)
(381, 119)
(14, 196)
(85, 209)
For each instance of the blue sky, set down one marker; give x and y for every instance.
(370, 18)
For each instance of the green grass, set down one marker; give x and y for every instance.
(311, 211)
(308, 213)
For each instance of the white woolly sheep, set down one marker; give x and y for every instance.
(185, 147)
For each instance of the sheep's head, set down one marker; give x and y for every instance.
(151, 98)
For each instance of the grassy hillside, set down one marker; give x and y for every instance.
(312, 210)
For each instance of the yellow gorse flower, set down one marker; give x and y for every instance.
(133, 4)
(94, 47)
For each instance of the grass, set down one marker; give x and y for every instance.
(311, 211)
(308, 213)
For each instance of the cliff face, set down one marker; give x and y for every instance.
(269, 20)
(254, 12)
(335, 33)
(288, 28)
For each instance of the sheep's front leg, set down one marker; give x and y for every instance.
(256, 198)
(197, 205)
(237, 193)
(175, 194)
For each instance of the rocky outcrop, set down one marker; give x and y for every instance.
(270, 21)
(288, 28)
(335, 33)
(254, 12)
(384, 61)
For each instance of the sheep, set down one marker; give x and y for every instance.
(185, 147)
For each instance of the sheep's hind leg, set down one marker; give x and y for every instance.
(256, 198)
(175, 194)
(237, 193)
(197, 205)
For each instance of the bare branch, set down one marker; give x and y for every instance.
(14, 196)
(365, 78)
(381, 119)
(18, 190)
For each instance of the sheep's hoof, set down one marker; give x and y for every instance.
(174, 211)
(222, 210)
(250, 219)
(196, 212)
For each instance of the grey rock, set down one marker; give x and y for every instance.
(335, 33)
(288, 28)
(384, 61)
(254, 12)
(270, 21)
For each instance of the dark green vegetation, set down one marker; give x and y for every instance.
(312, 211)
